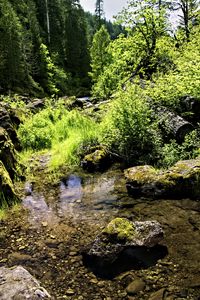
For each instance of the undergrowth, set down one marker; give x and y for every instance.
(63, 133)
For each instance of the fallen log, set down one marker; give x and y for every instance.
(171, 123)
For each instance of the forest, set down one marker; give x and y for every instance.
(99, 150)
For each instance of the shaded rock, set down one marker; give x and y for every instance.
(121, 233)
(179, 181)
(7, 153)
(135, 286)
(158, 295)
(98, 159)
(10, 121)
(7, 192)
(36, 104)
(18, 283)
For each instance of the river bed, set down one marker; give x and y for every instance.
(47, 235)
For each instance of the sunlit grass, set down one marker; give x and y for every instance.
(60, 133)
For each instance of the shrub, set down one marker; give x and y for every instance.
(129, 130)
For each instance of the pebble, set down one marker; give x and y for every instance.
(158, 295)
(135, 287)
(70, 292)
(100, 284)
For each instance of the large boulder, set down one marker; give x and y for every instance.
(121, 233)
(18, 283)
(179, 181)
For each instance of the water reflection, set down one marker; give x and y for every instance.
(39, 210)
(96, 197)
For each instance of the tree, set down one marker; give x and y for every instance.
(99, 54)
(99, 12)
(13, 61)
(146, 21)
(188, 12)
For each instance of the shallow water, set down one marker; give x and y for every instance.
(60, 221)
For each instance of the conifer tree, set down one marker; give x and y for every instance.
(99, 12)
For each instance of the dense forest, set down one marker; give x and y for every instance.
(45, 46)
(99, 121)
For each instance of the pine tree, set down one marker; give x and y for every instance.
(99, 54)
(13, 61)
(99, 12)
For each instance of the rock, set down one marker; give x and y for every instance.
(158, 295)
(135, 286)
(121, 233)
(7, 153)
(28, 188)
(70, 292)
(98, 159)
(179, 181)
(36, 104)
(9, 121)
(18, 283)
(8, 193)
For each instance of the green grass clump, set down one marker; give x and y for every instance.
(64, 133)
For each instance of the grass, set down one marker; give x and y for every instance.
(61, 133)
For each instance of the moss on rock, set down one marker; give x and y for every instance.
(7, 193)
(121, 229)
(97, 160)
(180, 181)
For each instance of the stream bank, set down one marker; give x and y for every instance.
(47, 235)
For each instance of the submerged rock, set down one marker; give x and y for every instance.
(120, 234)
(179, 181)
(98, 159)
(135, 287)
(18, 283)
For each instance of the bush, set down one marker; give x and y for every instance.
(128, 129)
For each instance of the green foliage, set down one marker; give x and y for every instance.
(183, 79)
(128, 130)
(172, 152)
(99, 56)
(64, 133)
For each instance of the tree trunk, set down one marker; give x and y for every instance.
(172, 124)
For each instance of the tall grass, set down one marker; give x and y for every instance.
(64, 133)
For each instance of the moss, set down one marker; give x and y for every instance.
(96, 156)
(141, 174)
(121, 229)
(7, 194)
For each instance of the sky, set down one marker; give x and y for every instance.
(111, 7)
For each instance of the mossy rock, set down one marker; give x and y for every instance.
(98, 160)
(180, 181)
(10, 121)
(121, 234)
(7, 153)
(7, 193)
(121, 229)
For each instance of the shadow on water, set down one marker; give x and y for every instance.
(132, 258)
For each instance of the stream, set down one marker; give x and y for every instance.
(54, 224)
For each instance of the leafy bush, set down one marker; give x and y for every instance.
(128, 130)
(172, 152)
